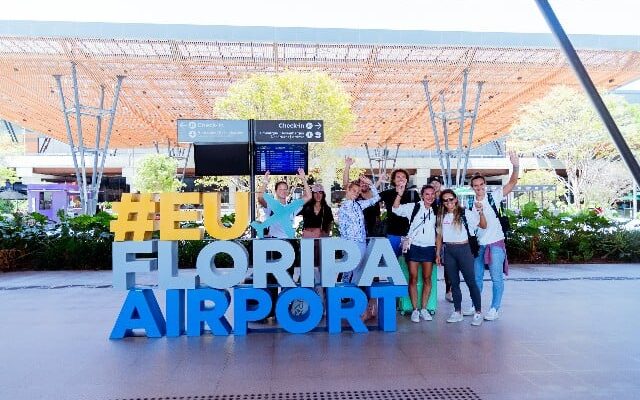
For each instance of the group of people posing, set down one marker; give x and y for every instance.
(426, 228)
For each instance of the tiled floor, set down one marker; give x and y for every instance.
(568, 332)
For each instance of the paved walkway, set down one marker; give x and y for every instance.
(567, 332)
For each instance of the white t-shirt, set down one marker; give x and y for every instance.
(493, 232)
(453, 233)
(423, 228)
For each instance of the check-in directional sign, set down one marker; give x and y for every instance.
(213, 131)
(289, 131)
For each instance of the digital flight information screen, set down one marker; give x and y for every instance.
(221, 159)
(280, 158)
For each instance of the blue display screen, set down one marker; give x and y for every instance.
(280, 158)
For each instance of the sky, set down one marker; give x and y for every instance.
(614, 17)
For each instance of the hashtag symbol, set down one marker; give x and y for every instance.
(136, 216)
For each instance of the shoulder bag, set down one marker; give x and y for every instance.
(473, 240)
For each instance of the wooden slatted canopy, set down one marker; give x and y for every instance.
(167, 79)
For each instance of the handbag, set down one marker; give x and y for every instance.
(473, 240)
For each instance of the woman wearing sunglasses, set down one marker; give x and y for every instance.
(455, 225)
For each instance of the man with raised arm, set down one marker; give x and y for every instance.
(283, 227)
(491, 239)
(278, 230)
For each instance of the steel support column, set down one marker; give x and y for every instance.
(12, 133)
(44, 146)
(460, 115)
(634, 201)
(67, 124)
(83, 170)
(432, 114)
(463, 107)
(112, 116)
(95, 184)
(473, 125)
(88, 191)
(448, 182)
(381, 156)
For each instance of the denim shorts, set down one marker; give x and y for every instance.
(421, 254)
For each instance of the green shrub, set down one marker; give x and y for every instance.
(541, 236)
(82, 242)
(620, 245)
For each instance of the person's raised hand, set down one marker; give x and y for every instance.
(515, 160)
(365, 180)
(348, 161)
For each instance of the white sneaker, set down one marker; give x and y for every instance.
(477, 319)
(448, 297)
(469, 312)
(415, 316)
(424, 314)
(492, 314)
(455, 317)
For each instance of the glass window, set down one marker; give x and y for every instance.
(74, 201)
(45, 200)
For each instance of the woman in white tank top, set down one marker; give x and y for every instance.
(455, 225)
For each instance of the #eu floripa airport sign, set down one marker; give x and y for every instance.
(191, 300)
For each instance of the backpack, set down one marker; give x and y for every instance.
(406, 240)
(502, 216)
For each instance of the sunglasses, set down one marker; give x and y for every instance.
(449, 200)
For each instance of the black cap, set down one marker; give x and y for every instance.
(434, 178)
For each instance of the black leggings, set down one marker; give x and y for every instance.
(447, 281)
(458, 258)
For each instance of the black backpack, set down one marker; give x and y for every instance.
(416, 208)
(502, 215)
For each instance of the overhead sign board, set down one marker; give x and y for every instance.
(289, 131)
(213, 131)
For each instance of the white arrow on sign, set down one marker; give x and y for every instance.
(318, 125)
